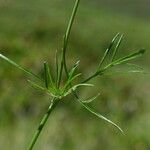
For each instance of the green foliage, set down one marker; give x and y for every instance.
(54, 86)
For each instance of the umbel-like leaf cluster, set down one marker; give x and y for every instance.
(53, 87)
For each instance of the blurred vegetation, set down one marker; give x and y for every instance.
(31, 31)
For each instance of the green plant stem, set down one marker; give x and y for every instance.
(122, 60)
(97, 73)
(67, 34)
(91, 77)
(53, 104)
(63, 64)
(66, 39)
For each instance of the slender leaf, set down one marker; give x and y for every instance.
(99, 115)
(60, 70)
(70, 81)
(48, 91)
(89, 100)
(78, 85)
(57, 66)
(129, 57)
(120, 73)
(108, 50)
(19, 67)
(118, 62)
(75, 87)
(36, 86)
(72, 71)
(117, 47)
(48, 78)
(114, 63)
(135, 66)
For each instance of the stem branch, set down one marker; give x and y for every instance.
(43, 122)
(63, 64)
(66, 39)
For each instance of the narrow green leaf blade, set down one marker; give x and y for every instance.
(108, 50)
(134, 66)
(57, 66)
(99, 115)
(36, 86)
(117, 47)
(48, 78)
(75, 87)
(123, 60)
(82, 84)
(71, 80)
(123, 73)
(89, 100)
(19, 67)
(129, 57)
(71, 77)
(72, 71)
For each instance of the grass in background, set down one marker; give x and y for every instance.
(18, 42)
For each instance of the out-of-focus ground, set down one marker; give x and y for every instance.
(31, 31)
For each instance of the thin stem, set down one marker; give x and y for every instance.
(67, 34)
(43, 122)
(114, 63)
(98, 73)
(89, 78)
(66, 39)
(94, 75)
(63, 64)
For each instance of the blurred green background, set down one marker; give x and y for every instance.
(31, 31)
